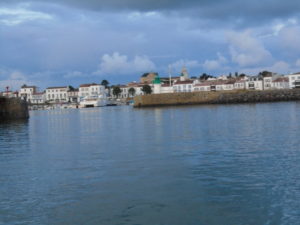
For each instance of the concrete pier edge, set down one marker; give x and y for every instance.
(218, 97)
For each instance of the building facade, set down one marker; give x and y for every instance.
(294, 80)
(57, 94)
(91, 90)
(26, 92)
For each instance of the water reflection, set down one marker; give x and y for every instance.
(174, 165)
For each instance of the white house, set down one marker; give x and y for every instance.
(38, 98)
(57, 94)
(91, 90)
(205, 86)
(137, 87)
(254, 83)
(240, 85)
(183, 86)
(72, 95)
(280, 83)
(294, 80)
(26, 92)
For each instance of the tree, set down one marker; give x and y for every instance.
(131, 91)
(117, 91)
(265, 73)
(146, 89)
(105, 83)
(205, 76)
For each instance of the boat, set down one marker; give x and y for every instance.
(92, 101)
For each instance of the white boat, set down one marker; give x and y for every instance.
(92, 101)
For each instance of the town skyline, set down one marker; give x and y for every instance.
(47, 43)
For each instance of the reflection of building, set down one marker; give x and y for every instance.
(294, 80)
(26, 92)
(57, 94)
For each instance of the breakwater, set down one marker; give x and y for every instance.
(13, 108)
(219, 97)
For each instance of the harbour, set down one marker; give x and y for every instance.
(174, 165)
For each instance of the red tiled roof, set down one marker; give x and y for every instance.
(56, 87)
(281, 79)
(88, 85)
(184, 82)
(38, 93)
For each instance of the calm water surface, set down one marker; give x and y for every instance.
(236, 164)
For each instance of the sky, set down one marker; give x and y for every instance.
(70, 42)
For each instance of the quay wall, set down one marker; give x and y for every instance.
(218, 97)
(13, 108)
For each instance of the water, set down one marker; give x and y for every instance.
(235, 164)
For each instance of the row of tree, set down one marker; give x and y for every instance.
(146, 89)
(116, 90)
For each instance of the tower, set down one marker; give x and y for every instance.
(184, 74)
(157, 85)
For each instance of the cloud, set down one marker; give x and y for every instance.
(19, 15)
(239, 13)
(12, 79)
(179, 64)
(289, 38)
(245, 50)
(216, 64)
(74, 74)
(117, 64)
(281, 67)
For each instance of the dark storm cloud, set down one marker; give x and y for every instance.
(254, 10)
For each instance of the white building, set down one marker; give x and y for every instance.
(26, 92)
(72, 95)
(280, 83)
(294, 80)
(183, 86)
(205, 86)
(267, 82)
(137, 87)
(57, 94)
(38, 98)
(91, 90)
(240, 85)
(254, 83)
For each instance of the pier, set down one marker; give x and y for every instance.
(13, 109)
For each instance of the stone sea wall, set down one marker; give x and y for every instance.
(219, 97)
(13, 108)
